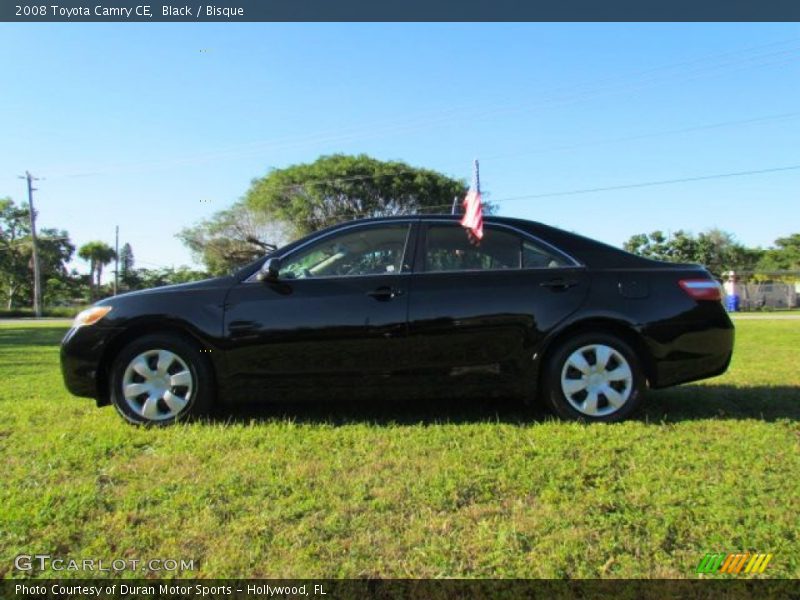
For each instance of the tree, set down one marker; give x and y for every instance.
(149, 278)
(126, 263)
(782, 263)
(99, 254)
(14, 230)
(783, 256)
(679, 247)
(719, 252)
(234, 237)
(16, 255)
(715, 249)
(341, 187)
(55, 251)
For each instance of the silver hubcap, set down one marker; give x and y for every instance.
(596, 380)
(157, 385)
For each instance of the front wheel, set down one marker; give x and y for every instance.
(593, 377)
(160, 379)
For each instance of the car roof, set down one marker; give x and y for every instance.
(439, 217)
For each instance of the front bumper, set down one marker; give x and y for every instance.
(82, 352)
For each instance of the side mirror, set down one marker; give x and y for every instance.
(269, 270)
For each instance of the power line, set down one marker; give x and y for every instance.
(702, 127)
(643, 136)
(574, 93)
(650, 183)
(578, 96)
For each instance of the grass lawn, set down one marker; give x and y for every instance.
(449, 489)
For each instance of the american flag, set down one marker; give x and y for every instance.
(473, 210)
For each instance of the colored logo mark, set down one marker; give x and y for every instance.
(734, 564)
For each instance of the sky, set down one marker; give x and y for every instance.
(156, 126)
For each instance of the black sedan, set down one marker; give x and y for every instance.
(407, 306)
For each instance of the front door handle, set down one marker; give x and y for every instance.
(559, 284)
(385, 292)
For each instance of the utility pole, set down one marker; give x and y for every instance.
(454, 210)
(37, 278)
(116, 259)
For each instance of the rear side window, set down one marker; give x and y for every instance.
(447, 248)
(536, 257)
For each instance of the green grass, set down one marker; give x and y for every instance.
(767, 313)
(449, 489)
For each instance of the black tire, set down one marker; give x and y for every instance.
(631, 389)
(187, 401)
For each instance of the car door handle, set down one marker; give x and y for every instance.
(559, 284)
(385, 293)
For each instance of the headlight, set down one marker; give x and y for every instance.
(90, 316)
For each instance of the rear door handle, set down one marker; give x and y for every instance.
(559, 284)
(385, 292)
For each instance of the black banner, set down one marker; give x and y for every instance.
(400, 10)
(390, 589)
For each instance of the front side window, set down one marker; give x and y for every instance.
(447, 248)
(363, 251)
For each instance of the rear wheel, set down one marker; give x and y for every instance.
(160, 379)
(593, 377)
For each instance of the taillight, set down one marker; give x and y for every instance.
(702, 289)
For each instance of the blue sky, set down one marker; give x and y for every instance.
(154, 127)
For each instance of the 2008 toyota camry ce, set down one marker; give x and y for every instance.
(408, 306)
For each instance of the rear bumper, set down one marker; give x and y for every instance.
(81, 355)
(690, 350)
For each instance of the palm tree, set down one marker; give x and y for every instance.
(98, 254)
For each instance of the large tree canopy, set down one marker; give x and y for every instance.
(340, 187)
(292, 202)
